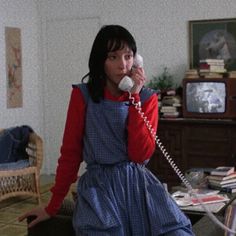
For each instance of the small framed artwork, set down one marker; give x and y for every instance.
(213, 39)
(13, 67)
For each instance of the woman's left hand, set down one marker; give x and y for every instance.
(139, 78)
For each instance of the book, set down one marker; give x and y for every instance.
(221, 177)
(171, 92)
(223, 170)
(171, 114)
(177, 105)
(220, 61)
(224, 189)
(169, 100)
(211, 67)
(231, 185)
(193, 73)
(168, 109)
(191, 76)
(211, 75)
(215, 70)
(228, 190)
(213, 207)
(206, 196)
(222, 182)
(210, 199)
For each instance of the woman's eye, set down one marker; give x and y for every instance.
(128, 57)
(112, 57)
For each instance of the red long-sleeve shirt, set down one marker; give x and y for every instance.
(141, 144)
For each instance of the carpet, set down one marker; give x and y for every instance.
(12, 208)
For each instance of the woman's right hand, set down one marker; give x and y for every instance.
(39, 213)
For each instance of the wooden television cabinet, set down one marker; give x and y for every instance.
(193, 143)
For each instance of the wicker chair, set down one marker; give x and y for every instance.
(24, 181)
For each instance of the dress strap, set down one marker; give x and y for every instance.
(84, 90)
(146, 93)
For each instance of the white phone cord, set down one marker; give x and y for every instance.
(175, 167)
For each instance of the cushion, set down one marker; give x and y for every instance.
(15, 165)
(13, 142)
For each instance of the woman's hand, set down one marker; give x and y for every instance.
(39, 213)
(139, 78)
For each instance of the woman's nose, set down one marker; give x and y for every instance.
(122, 63)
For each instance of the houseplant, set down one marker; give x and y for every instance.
(162, 82)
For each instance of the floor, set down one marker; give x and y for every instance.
(12, 208)
(45, 179)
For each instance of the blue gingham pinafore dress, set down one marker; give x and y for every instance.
(117, 197)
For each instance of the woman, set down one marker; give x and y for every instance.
(117, 195)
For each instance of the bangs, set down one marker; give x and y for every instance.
(116, 44)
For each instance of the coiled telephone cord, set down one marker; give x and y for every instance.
(175, 167)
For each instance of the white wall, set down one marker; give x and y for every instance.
(22, 14)
(67, 41)
(159, 26)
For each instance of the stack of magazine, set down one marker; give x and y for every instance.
(212, 68)
(223, 179)
(171, 106)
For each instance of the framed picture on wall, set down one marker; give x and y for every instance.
(213, 39)
(14, 67)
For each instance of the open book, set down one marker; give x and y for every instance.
(214, 201)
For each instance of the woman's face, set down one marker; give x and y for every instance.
(117, 65)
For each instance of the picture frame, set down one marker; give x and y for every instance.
(14, 78)
(212, 39)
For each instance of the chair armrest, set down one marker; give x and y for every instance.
(35, 150)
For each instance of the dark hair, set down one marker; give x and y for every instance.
(109, 38)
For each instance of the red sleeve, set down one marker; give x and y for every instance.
(71, 151)
(141, 144)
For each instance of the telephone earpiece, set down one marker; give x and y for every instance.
(138, 61)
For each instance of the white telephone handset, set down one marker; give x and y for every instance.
(126, 84)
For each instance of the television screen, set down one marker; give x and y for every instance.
(206, 97)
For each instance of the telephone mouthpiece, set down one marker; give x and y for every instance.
(126, 84)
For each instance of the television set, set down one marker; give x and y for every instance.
(209, 98)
